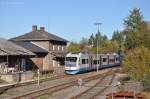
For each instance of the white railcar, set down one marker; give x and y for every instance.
(82, 62)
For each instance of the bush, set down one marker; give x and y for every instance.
(137, 63)
(146, 81)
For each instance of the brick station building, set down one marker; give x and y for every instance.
(54, 46)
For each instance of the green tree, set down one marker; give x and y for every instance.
(84, 41)
(99, 39)
(78, 47)
(110, 47)
(117, 36)
(91, 40)
(132, 23)
(133, 20)
(73, 47)
(143, 35)
(137, 64)
(105, 38)
(107, 47)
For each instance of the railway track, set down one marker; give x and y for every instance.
(48, 89)
(101, 91)
(95, 90)
(16, 85)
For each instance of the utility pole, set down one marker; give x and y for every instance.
(97, 24)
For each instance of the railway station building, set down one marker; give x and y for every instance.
(49, 49)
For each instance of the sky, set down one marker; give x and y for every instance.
(69, 19)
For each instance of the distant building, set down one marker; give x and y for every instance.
(54, 46)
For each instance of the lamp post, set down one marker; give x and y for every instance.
(98, 24)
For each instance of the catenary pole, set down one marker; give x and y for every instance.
(97, 24)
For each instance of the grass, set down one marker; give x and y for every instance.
(42, 97)
(50, 93)
(124, 79)
(147, 95)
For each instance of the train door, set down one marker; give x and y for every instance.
(111, 59)
(100, 61)
(104, 60)
(84, 66)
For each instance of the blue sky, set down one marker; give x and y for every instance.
(70, 19)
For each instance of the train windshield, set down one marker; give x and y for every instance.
(71, 59)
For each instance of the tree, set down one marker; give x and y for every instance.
(110, 47)
(132, 24)
(105, 38)
(117, 36)
(133, 20)
(84, 41)
(79, 47)
(99, 39)
(137, 64)
(107, 47)
(73, 47)
(91, 40)
(143, 35)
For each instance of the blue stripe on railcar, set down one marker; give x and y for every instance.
(81, 70)
(72, 71)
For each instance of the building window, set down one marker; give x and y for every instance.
(53, 63)
(62, 48)
(58, 48)
(84, 61)
(53, 47)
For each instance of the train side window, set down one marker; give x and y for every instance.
(87, 61)
(117, 59)
(111, 60)
(84, 61)
(95, 62)
(104, 59)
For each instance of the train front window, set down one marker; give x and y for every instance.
(71, 59)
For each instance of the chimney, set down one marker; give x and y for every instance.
(34, 28)
(42, 29)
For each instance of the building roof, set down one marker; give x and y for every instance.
(39, 35)
(32, 47)
(9, 48)
(59, 54)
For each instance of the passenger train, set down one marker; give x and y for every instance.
(83, 62)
